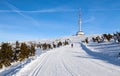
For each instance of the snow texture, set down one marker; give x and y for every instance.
(91, 59)
(67, 61)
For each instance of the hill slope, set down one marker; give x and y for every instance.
(67, 61)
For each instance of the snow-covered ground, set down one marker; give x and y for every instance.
(91, 59)
(67, 61)
(107, 48)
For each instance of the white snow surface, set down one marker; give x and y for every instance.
(91, 59)
(67, 61)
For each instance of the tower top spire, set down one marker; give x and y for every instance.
(79, 33)
(80, 13)
(80, 20)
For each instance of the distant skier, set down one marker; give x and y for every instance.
(71, 45)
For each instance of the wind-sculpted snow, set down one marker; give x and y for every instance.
(15, 68)
(101, 55)
(67, 61)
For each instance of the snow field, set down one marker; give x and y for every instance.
(67, 61)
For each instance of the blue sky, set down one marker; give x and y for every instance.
(41, 19)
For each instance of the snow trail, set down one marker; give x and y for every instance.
(67, 61)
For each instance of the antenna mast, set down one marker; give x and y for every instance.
(80, 20)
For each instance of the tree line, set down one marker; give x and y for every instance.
(20, 51)
(105, 37)
(47, 46)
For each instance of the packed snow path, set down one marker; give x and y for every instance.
(67, 61)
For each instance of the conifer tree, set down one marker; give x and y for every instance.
(17, 50)
(32, 50)
(6, 54)
(24, 51)
(66, 42)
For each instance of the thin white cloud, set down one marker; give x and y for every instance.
(52, 10)
(16, 10)
(39, 11)
(20, 12)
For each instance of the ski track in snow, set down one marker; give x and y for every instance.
(37, 69)
(67, 61)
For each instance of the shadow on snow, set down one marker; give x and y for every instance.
(97, 55)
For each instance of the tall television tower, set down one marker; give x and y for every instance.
(80, 32)
(80, 21)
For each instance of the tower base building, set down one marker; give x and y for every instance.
(80, 33)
